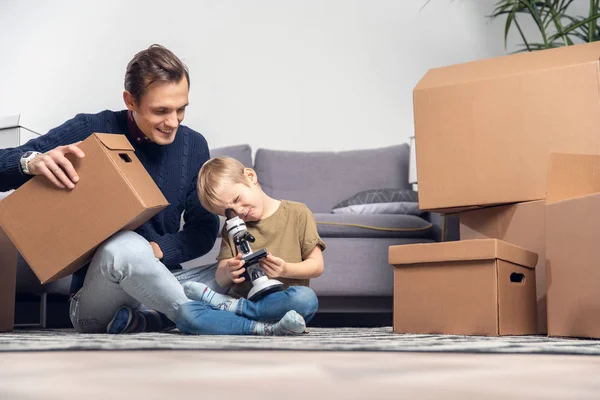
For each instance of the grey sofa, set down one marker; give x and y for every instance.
(357, 276)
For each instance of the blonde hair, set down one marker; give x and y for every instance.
(214, 175)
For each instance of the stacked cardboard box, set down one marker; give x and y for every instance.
(486, 135)
(572, 245)
(477, 287)
(8, 281)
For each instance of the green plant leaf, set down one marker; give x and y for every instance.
(556, 26)
(576, 25)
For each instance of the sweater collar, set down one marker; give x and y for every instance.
(134, 130)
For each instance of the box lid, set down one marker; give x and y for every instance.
(572, 175)
(114, 141)
(9, 121)
(464, 250)
(510, 65)
(14, 121)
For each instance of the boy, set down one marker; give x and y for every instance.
(286, 229)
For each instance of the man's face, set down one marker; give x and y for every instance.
(160, 110)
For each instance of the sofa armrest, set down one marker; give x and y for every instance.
(445, 226)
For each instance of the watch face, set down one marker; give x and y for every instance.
(27, 154)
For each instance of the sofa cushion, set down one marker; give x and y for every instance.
(380, 201)
(399, 207)
(242, 153)
(323, 179)
(372, 226)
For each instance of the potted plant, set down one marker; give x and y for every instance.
(553, 19)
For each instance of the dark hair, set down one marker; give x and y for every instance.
(156, 63)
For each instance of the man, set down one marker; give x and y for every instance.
(133, 267)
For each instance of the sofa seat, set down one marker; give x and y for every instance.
(372, 226)
(360, 273)
(27, 282)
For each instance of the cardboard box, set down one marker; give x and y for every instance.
(8, 281)
(13, 133)
(57, 230)
(573, 245)
(485, 129)
(521, 224)
(473, 287)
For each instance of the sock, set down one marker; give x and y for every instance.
(292, 323)
(200, 292)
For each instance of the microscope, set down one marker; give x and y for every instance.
(261, 284)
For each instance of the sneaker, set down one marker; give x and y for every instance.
(122, 322)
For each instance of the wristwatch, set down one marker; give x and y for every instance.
(25, 158)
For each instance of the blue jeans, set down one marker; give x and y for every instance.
(273, 307)
(198, 317)
(124, 271)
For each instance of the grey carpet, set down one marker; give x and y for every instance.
(318, 339)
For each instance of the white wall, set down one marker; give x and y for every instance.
(284, 74)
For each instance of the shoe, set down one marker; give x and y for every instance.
(122, 321)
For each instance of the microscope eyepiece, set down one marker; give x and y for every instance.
(229, 213)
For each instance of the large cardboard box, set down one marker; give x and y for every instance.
(485, 129)
(472, 287)
(521, 224)
(573, 245)
(57, 230)
(8, 279)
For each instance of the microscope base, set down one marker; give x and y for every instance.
(263, 286)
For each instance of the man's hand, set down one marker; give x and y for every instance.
(273, 266)
(234, 269)
(157, 251)
(55, 166)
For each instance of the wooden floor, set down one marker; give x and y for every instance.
(204, 375)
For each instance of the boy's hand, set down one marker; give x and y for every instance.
(273, 266)
(234, 269)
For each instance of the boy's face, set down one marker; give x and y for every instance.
(245, 200)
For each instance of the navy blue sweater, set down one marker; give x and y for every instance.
(174, 169)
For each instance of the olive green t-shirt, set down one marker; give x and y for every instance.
(290, 234)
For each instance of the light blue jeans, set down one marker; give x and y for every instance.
(201, 318)
(124, 271)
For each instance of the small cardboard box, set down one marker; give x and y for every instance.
(472, 287)
(485, 129)
(573, 245)
(8, 279)
(57, 230)
(521, 224)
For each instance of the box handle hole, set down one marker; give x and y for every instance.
(125, 157)
(517, 278)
